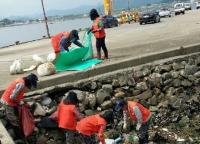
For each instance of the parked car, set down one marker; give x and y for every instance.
(110, 21)
(165, 12)
(187, 6)
(179, 8)
(198, 5)
(148, 17)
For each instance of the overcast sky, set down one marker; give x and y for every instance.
(28, 7)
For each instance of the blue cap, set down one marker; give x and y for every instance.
(119, 105)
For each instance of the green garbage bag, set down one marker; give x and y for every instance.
(77, 58)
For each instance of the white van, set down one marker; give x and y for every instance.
(179, 8)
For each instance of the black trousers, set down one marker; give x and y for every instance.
(100, 44)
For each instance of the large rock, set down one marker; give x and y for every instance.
(166, 76)
(106, 105)
(120, 94)
(89, 112)
(153, 101)
(190, 69)
(145, 95)
(131, 81)
(123, 79)
(174, 74)
(142, 86)
(108, 88)
(197, 74)
(101, 95)
(115, 83)
(39, 111)
(135, 92)
(186, 83)
(163, 68)
(197, 61)
(177, 83)
(80, 95)
(177, 66)
(184, 121)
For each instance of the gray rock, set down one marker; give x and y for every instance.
(39, 111)
(184, 121)
(106, 105)
(190, 69)
(153, 109)
(170, 92)
(186, 83)
(197, 61)
(177, 83)
(175, 102)
(191, 78)
(102, 95)
(123, 79)
(138, 74)
(164, 68)
(46, 101)
(131, 81)
(142, 86)
(153, 101)
(174, 74)
(120, 94)
(166, 76)
(108, 88)
(145, 95)
(93, 85)
(115, 83)
(92, 100)
(156, 91)
(81, 107)
(135, 92)
(89, 112)
(197, 74)
(177, 66)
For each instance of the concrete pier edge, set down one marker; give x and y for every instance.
(56, 80)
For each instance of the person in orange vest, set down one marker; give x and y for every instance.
(63, 40)
(93, 124)
(138, 113)
(99, 33)
(13, 97)
(68, 115)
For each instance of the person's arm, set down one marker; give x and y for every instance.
(78, 43)
(125, 117)
(100, 134)
(138, 115)
(18, 88)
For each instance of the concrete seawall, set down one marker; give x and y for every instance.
(98, 70)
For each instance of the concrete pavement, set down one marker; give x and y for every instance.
(124, 42)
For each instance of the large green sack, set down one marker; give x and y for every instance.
(77, 58)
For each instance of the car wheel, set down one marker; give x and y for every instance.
(183, 12)
(157, 19)
(141, 23)
(170, 16)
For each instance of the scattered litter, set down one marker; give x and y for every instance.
(17, 67)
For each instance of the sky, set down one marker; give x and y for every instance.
(30, 7)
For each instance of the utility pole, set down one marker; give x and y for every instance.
(45, 19)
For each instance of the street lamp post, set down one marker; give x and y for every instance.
(45, 19)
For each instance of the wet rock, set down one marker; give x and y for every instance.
(120, 94)
(89, 112)
(145, 95)
(186, 83)
(197, 74)
(39, 111)
(115, 83)
(106, 105)
(92, 100)
(108, 88)
(190, 69)
(142, 86)
(102, 95)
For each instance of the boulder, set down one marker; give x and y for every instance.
(145, 95)
(80, 95)
(186, 83)
(153, 101)
(115, 83)
(177, 66)
(191, 69)
(108, 88)
(197, 74)
(106, 105)
(92, 100)
(120, 94)
(142, 86)
(102, 95)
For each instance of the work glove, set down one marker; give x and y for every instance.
(138, 127)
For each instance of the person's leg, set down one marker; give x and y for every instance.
(103, 44)
(98, 46)
(143, 133)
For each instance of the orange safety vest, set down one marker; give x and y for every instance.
(90, 125)
(6, 95)
(95, 26)
(66, 116)
(55, 40)
(144, 111)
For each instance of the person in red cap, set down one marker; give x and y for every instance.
(68, 115)
(91, 125)
(99, 33)
(63, 40)
(13, 96)
(139, 114)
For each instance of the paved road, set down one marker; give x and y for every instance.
(129, 40)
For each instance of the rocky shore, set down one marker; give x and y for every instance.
(171, 90)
